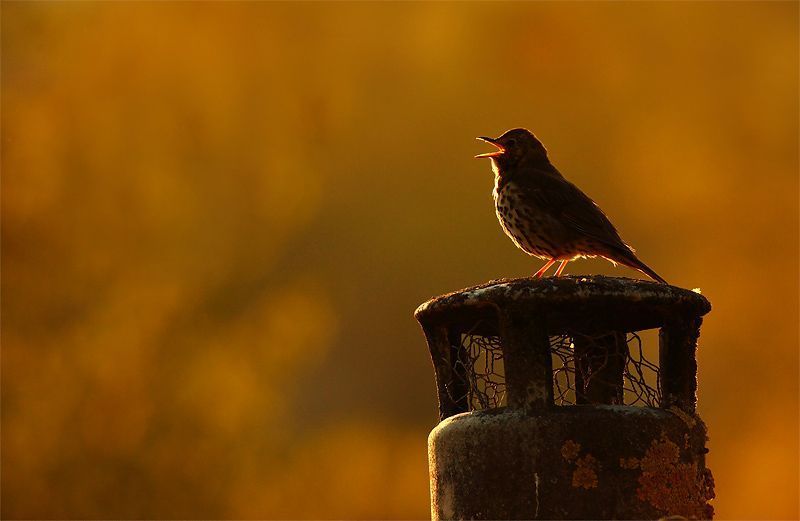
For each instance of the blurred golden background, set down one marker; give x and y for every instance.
(218, 218)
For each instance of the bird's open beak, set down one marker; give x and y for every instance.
(500, 149)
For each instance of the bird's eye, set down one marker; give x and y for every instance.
(511, 142)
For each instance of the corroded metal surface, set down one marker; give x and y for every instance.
(534, 460)
(523, 313)
(582, 462)
(627, 304)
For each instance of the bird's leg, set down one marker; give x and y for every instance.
(539, 274)
(561, 267)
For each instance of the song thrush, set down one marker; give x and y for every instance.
(544, 214)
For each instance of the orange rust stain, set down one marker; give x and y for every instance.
(671, 486)
(570, 450)
(629, 463)
(585, 474)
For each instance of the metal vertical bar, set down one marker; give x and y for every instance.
(440, 349)
(677, 359)
(600, 368)
(528, 363)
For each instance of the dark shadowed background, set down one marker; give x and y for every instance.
(217, 220)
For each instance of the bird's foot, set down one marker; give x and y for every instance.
(539, 274)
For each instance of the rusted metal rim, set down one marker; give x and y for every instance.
(631, 304)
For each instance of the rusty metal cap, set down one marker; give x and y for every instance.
(564, 302)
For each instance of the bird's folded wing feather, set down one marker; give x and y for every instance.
(570, 206)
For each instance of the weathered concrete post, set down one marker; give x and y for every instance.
(505, 450)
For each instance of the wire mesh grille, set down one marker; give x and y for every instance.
(480, 376)
(571, 368)
(479, 368)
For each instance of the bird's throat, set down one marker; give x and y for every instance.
(500, 175)
(495, 167)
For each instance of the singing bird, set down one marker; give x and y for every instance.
(544, 214)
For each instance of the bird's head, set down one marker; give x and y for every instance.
(514, 147)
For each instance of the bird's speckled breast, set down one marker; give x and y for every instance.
(519, 221)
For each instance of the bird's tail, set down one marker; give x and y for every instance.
(629, 259)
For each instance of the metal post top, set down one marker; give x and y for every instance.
(623, 303)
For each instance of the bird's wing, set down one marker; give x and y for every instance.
(569, 205)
